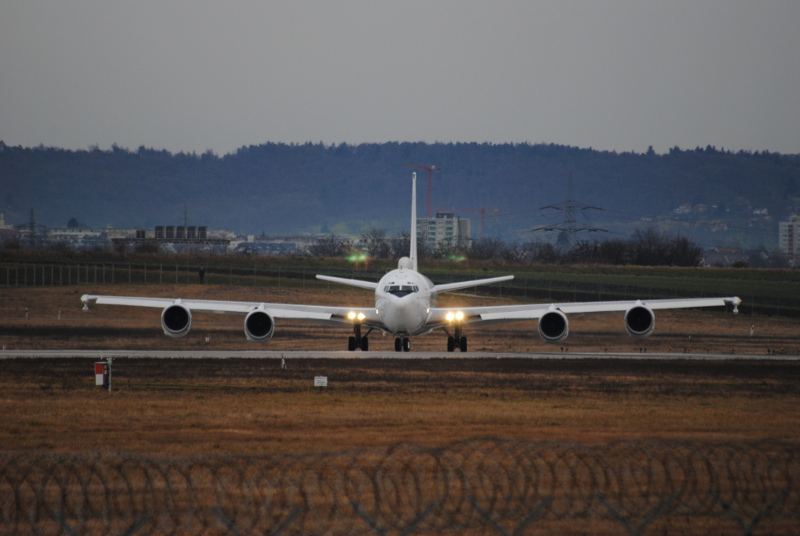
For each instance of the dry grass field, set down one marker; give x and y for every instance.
(183, 408)
(246, 406)
(187, 407)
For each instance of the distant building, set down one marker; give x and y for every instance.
(179, 238)
(77, 238)
(685, 208)
(3, 225)
(273, 245)
(7, 231)
(723, 256)
(789, 237)
(444, 230)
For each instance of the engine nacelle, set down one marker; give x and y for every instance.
(176, 320)
(640, 321)
(259, 326)
(553, 326)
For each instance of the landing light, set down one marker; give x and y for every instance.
(353, 316)
(454, 316)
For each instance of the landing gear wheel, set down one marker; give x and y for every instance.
(451, 344)
(364, 344)
(351, 344)
(398, 345)
(406, 345)
(463, 344)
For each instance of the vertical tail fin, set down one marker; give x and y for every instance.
(413, 252)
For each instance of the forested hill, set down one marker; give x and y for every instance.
(282, 189)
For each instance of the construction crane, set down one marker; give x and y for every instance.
(483, 212)
(430, 170)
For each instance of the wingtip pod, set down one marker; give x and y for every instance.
(85, 299)
(736, 302)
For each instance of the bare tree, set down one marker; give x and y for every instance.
(487, 249)
(376, 243)
(650, 247)
(542, 252)
(329, 246)
(401, 245)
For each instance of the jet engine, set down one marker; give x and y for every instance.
(553, 326)
(259, 326)
(176, 320)
(640, 321)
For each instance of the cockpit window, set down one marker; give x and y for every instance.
(400, 290)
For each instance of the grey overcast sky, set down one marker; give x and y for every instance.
(194, 75)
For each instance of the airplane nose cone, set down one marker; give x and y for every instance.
(403, 315)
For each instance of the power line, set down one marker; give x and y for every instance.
(568, 227)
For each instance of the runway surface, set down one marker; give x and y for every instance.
(277, 354)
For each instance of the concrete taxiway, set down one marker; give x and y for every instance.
(303, 354)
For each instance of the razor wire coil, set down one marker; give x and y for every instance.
(477, 484)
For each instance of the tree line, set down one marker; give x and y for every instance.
(648, 247)
(280, 189)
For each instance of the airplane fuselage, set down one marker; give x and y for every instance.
(403, 301)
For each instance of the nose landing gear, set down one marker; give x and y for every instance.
(402, 344)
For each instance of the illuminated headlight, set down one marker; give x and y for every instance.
(459, 316)
(351, 315)
(361, 316)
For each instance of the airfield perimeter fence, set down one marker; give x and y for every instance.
(485, 486)
(770, 297)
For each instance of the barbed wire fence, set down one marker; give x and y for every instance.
(487, 486)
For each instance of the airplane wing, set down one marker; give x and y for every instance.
(314, 313)
(469, 284)
(496, 314)
(352, 282)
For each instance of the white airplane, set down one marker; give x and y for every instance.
(405, 306)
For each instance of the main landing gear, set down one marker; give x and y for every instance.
(457, 340)
(356, 341)
(401, 344)
(453, 343)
